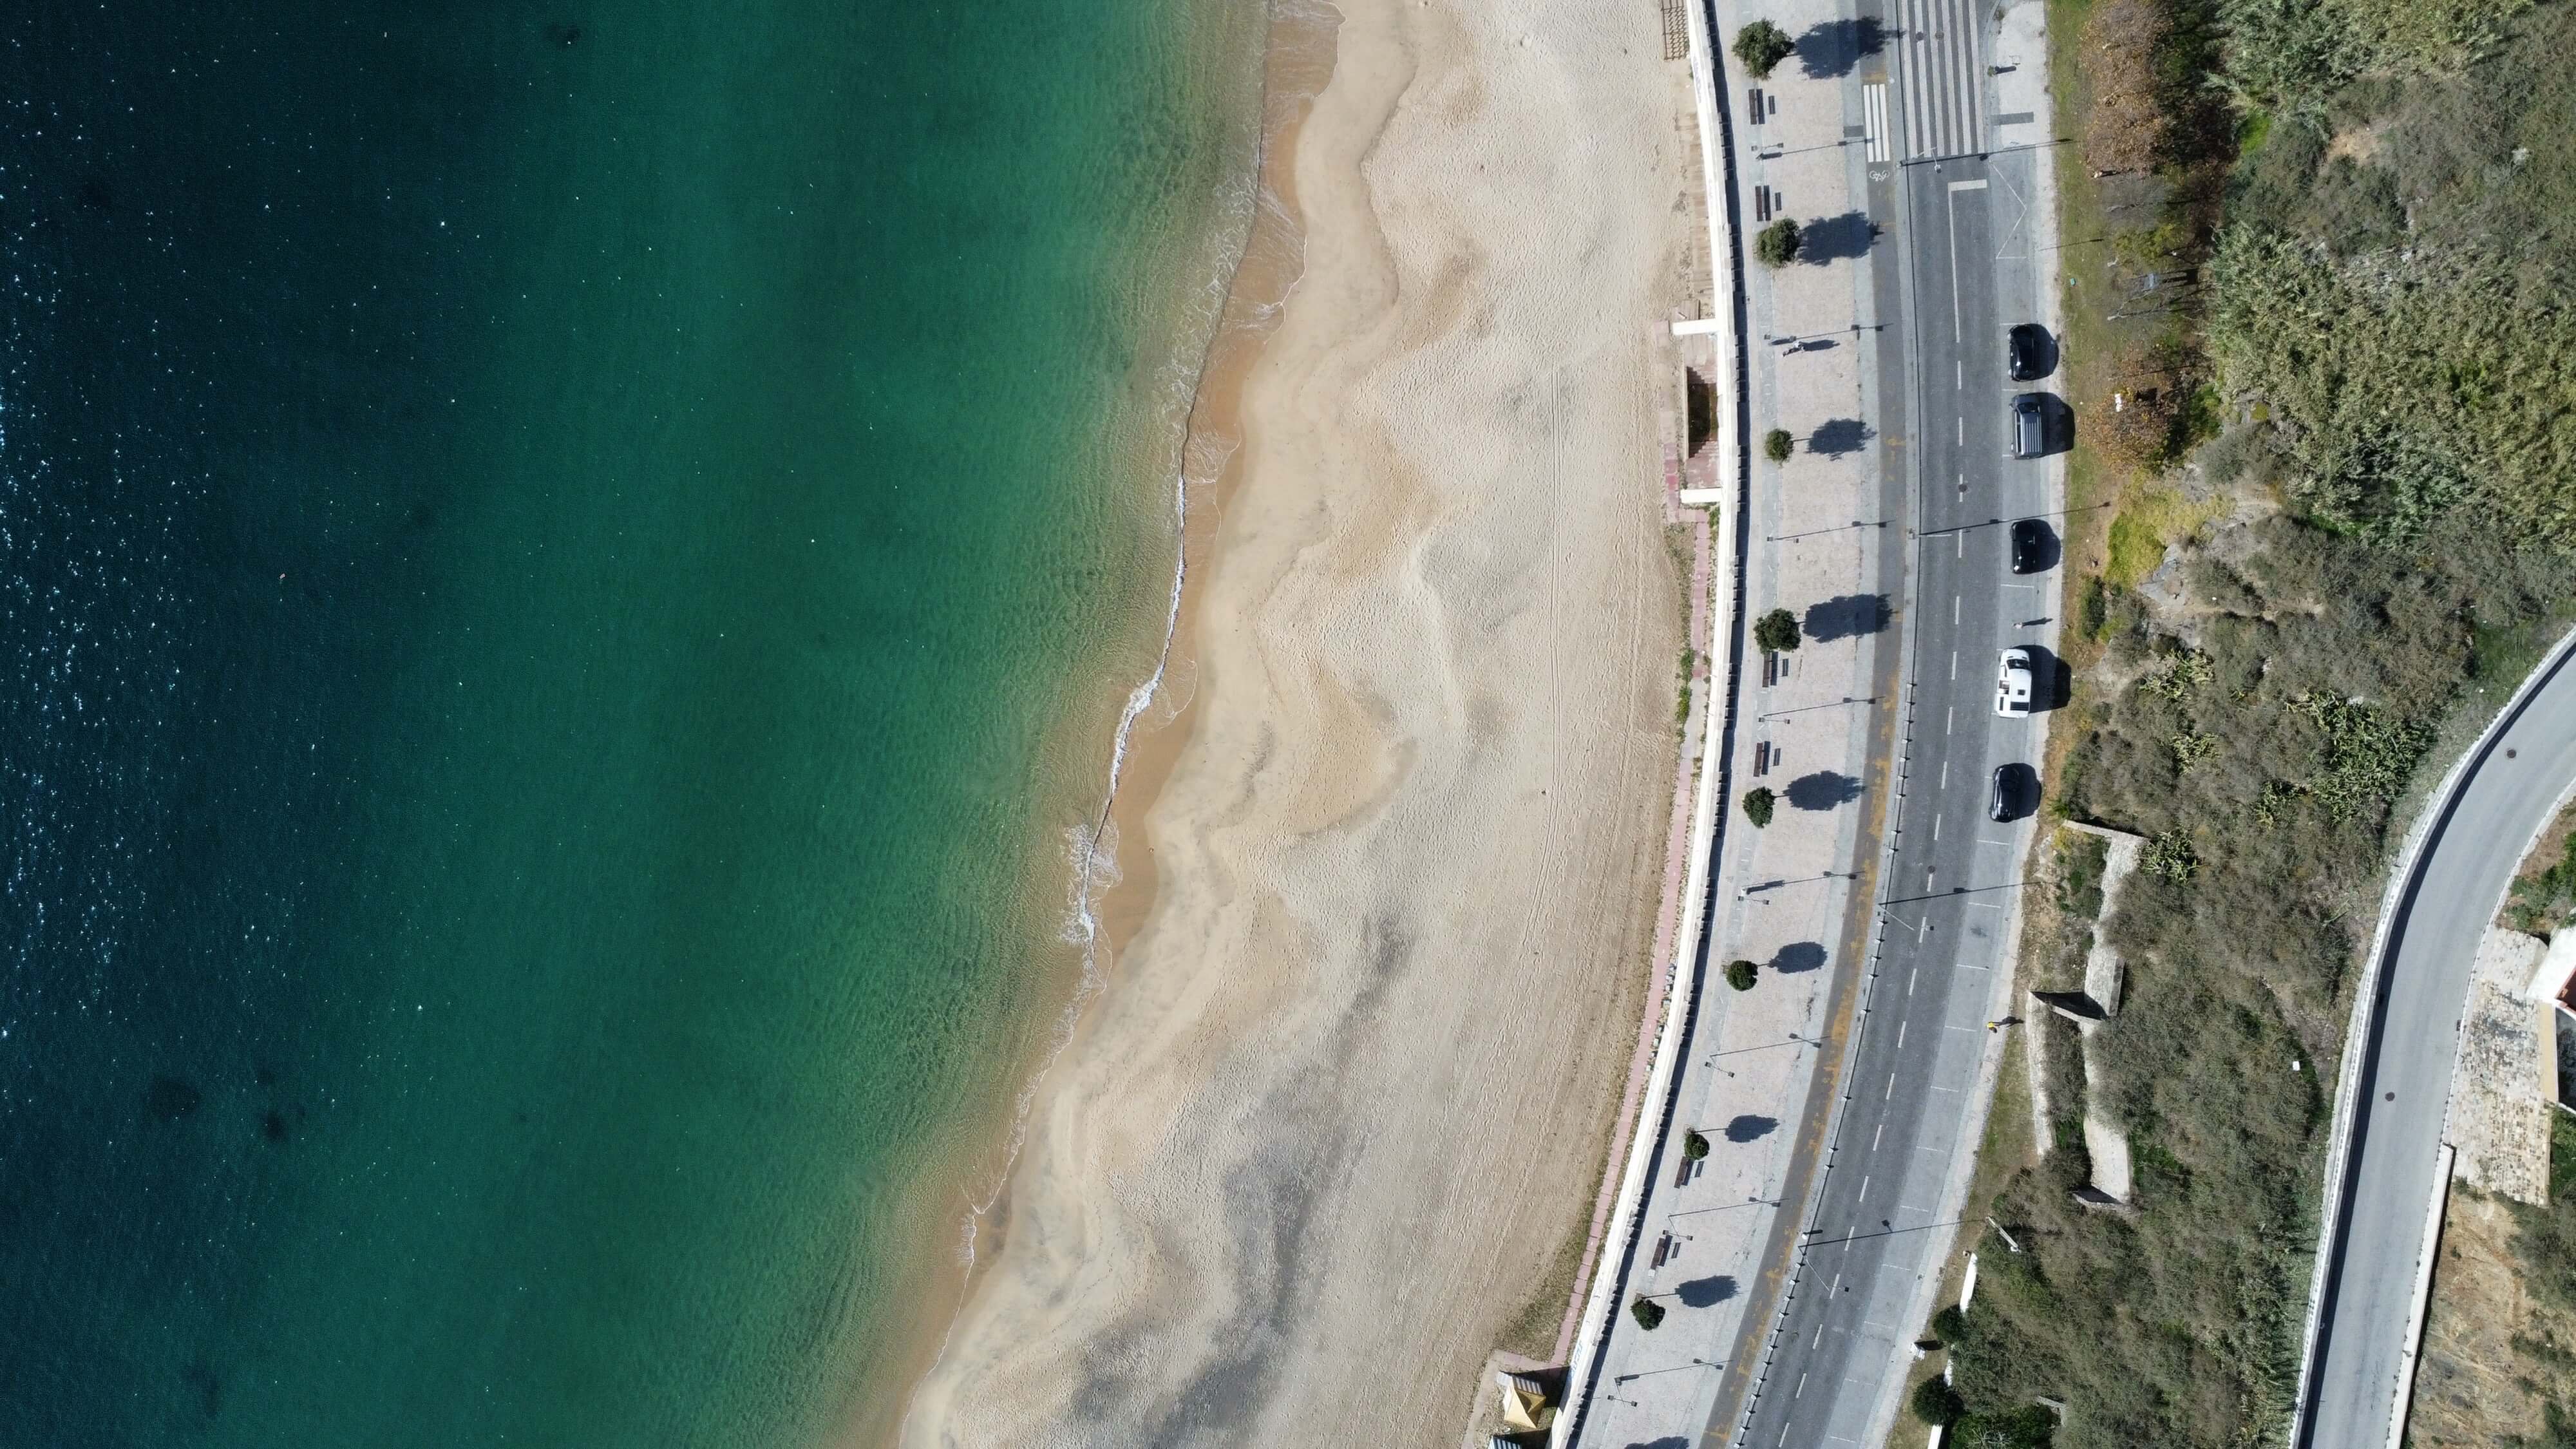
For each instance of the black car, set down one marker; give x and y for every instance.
(2004, 801)
(2029, 546)
(2026, 350)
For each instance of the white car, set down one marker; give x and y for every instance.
(2012, 684)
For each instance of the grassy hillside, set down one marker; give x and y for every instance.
(2339, 503)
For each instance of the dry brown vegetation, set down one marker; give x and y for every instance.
(2124, 128)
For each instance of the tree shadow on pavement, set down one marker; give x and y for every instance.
(1845, 617)
(1835, 48)
(1750, 1128)
(1839, 436)
(1836, 238)
(1798, 956)
(1705, 1292)
(1822, 790)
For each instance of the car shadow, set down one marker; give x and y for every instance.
(1846, 617)
(1822, 790)
(2056, 425)
(1836, 48)
(2052, 680)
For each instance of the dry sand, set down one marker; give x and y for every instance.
(1336, 1125)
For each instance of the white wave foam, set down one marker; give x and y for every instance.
(1250, 212)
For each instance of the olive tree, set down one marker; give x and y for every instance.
(1776, 245)
(1761, 46)
(1776, 632)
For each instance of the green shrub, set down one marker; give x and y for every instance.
(1936, 1403)
(1950, 1325)
(2170, 855)
(2028, 1427)
(1740, 974)
(2082, 860)
(2192, 749)
(2538, 903)
(1777, 245)
(1694, 1146)
(2136, 551)
(1758, 803)
(1777, 444)
(2181, 674)
(2295, 54)
(2367, 757)
(1776, 632)
(1761, 46)
(1648, 1312)
(2404, 381)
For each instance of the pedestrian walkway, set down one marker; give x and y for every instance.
(1941, 71)
(1807, 727)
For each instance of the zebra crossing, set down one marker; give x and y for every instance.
(1940, 68)
(1873, 121)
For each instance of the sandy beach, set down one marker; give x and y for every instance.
(1334, 1127)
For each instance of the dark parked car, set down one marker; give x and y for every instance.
(2026, 352)
(2029, 546)
(2004, 801)
(2029, 426)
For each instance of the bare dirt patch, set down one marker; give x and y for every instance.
(2475, 1385)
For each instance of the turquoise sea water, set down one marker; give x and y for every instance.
(563, 576)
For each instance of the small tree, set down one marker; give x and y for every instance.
(1950, 1325)
(1649, 1313)
(1935, 1402)
(1757, 805)
(1776, 445)
(1776, 632)
(1694, 1146)
(1761, 46)
(1740, 974)
(1777, 244)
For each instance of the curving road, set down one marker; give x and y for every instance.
(2511, 785)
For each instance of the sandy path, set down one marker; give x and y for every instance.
(1344, 1103)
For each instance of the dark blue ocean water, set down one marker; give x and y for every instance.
(563, 575)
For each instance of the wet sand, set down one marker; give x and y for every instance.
(1334, 1126)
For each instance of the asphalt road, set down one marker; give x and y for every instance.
(2519, 772)
(1962, 230)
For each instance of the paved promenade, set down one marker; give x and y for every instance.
(1825, 540)
(1825, 139)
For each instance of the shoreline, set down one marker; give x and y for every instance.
(1153, 1062)
(1110, 889)
(1297, 63)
